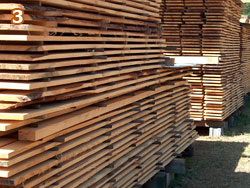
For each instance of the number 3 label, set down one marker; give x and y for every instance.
(17, 18)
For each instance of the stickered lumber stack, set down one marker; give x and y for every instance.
(221, 37)
(197, 93)
(182, 24)
(86, 98)
(123, 143)
(245, 57)
(171, 15)
(215, 23)
(191, 28)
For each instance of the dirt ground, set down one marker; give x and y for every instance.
(220, 162)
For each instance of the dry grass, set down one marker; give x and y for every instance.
(221, 162)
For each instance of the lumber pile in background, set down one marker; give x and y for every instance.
(222, 84)
(209, 28)
(86, 100)
(245, 57)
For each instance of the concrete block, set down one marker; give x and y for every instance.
(216, 132)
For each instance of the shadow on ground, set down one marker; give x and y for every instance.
(241, 125)
(214, 165)
(222, 162)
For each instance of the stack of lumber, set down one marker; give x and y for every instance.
(85, 98)
(221, 37)
(197, 93)
(191, 37)
(245, 57)
(191, 28)
(171, 14)
(182, 24)
(212, 29)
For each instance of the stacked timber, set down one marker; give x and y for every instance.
(171, 14)
(191, 28)
(245, 57)
(221, 37)
(191, 37)
(197, 93)
(86, 100)
(182, 26)
(212, 29)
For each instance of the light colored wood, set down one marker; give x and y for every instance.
(192, 61)
(86, 98)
